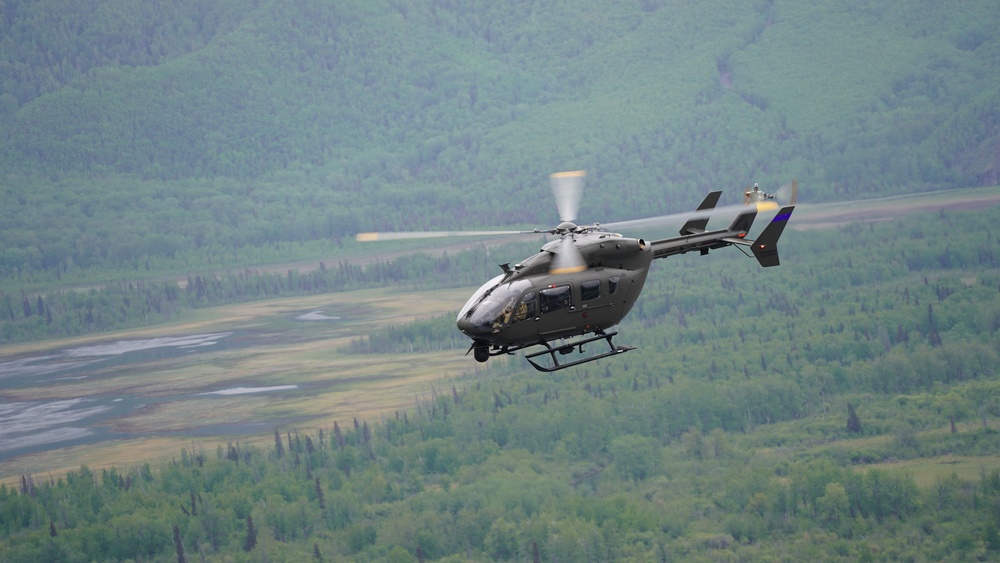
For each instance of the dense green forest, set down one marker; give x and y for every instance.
(160, 135)
(841, 407)
(844, 406)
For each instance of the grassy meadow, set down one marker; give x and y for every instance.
(333, 385)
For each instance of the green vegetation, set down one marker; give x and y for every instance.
(130, 304)
(726, 434)
(427, 487)
(218, 135)
(841, 407)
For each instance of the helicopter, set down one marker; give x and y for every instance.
(581, 284)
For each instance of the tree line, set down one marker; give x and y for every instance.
(458, 478)
(409, 115)
(717, 437)
(129, 304)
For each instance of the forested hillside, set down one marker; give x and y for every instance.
(842, 407)
(137, 134)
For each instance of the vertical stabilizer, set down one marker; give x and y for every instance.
(742, 223)
(765, 248)
(699, 224)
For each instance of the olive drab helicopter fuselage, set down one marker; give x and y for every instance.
(530, 304)
(586, 281)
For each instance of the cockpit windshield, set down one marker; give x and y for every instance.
(478, 296)
(492, 307)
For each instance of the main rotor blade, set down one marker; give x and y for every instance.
(407, 235)
(671, 219)
(567, 259)
(567, 187)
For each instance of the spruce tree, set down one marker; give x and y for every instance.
(279, 449)
(853, 423)
(179, 545)
(251, 540)
(319, 495)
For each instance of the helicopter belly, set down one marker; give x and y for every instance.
(601, 316)
(574, 321)
(559, 325)
(521, 334)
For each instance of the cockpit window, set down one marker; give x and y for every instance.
(527, 308)
(478, 296)
(553, 299)
(613, 282)
(590, 290)
(495, 306)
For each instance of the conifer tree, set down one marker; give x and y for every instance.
(338, 436)
(179, 545)
(853, 423)
(251, 540)
(278, 447)
(319, 495)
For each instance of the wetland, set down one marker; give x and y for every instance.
(231, 373)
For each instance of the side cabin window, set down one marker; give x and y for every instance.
(613, 283)
(590, 290)
(553, 299)
(526, 309)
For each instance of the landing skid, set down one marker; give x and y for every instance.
(568, 348)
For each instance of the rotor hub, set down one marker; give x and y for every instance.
(566, 227)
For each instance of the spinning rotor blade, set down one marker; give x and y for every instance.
(788, 193)
(407, 235)
(567, 187)
(567, 259)
(674, 218)
(659, 220)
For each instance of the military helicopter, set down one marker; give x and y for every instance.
(583, 283)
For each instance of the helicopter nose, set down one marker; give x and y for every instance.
(468, 326)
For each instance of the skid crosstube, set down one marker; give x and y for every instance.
(566, 349)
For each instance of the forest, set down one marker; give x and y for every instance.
(840, 407)
(209, 135)
(160, 159)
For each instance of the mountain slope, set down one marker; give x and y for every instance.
(404, 115)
